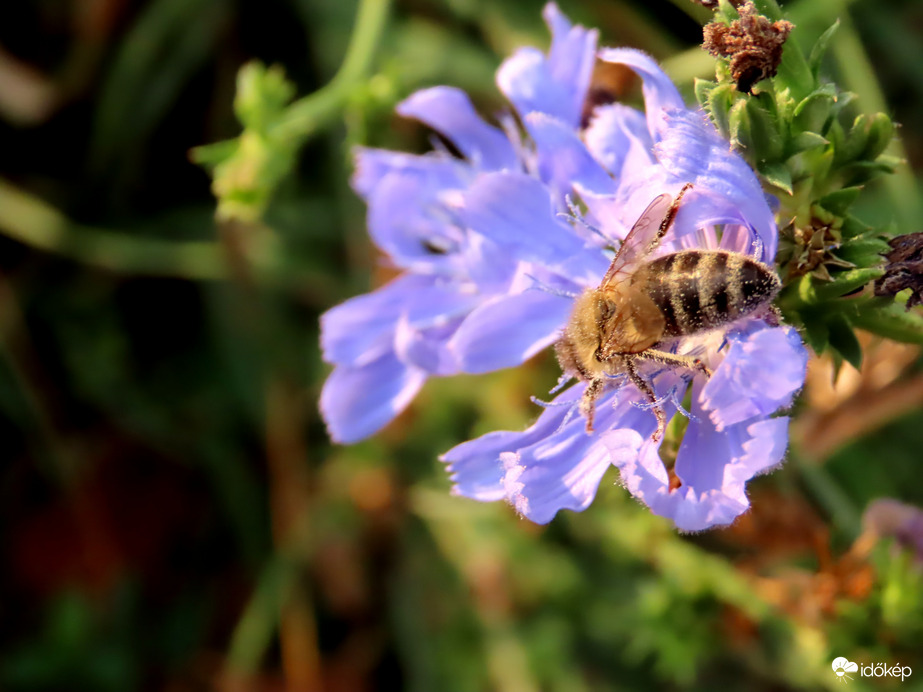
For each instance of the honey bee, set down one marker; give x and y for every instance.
(643, 305)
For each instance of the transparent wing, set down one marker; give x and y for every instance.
(641, 239)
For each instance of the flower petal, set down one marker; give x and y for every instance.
(659, 91)
(617, 135)
(358, 401)
(563, 470)
(448, 110)
(563, 159)
(407, 219)
(692, 151)
(373, 165)
(570, 61)
(509, 330)
(555, 85)
(475, 466)
(515, 212)
(362, 328)
(760, 374)
(713, 469)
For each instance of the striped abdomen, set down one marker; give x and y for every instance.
(698, 290)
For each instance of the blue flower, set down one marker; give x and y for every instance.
(624, 160)
(475, 237)
(463, 302)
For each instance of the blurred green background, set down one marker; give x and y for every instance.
(173, 515)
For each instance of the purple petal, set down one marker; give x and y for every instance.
(618, 138)
(759, 375)
(358, 401)
(362, 328)
(563, 159)
(555, 85)
(449, 111)
(570, 61)
(693, 151)
(713, 468)
(659, 91)
(427, 348)
(515, 211)
(509, 330)
(373, 165)
(406, 219)
(475, 466)
(563, 470)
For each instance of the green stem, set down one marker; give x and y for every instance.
(35, 223)
(311, 112)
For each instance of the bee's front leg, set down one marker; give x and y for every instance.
(588, 403)
(648, 392)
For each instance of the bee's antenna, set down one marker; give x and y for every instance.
(542, 286)
(577, 216)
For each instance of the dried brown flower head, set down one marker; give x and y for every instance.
(904, 269)
(753, 43)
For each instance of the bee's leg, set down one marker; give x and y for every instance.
(771, 315)
(588, 403)
(676, 361)
(646, 390)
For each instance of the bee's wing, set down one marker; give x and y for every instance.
(637, 243)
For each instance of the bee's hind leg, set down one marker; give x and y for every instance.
(648, 392)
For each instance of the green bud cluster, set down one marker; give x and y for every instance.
(794, 130)
(246, 170)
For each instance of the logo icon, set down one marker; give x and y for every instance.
(842, 666)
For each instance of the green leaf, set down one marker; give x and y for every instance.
(777, 174)
(854, 228)
(768, 8)
(719, 104)
(842, 337)
(891, 320)
(851, 146)
(813, 112)
(806, 291)
(838, 202)
(794, 72)
(820, 48)
(726, 11)
(703, 89)
(881, 132)
(815, 332)
(863, 252)
(765, 141)
(804, 141)
(860, 172)
(847, 282)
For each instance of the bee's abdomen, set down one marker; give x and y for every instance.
(702, 289)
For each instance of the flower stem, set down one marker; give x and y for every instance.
(31, 221)
(309, 113)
